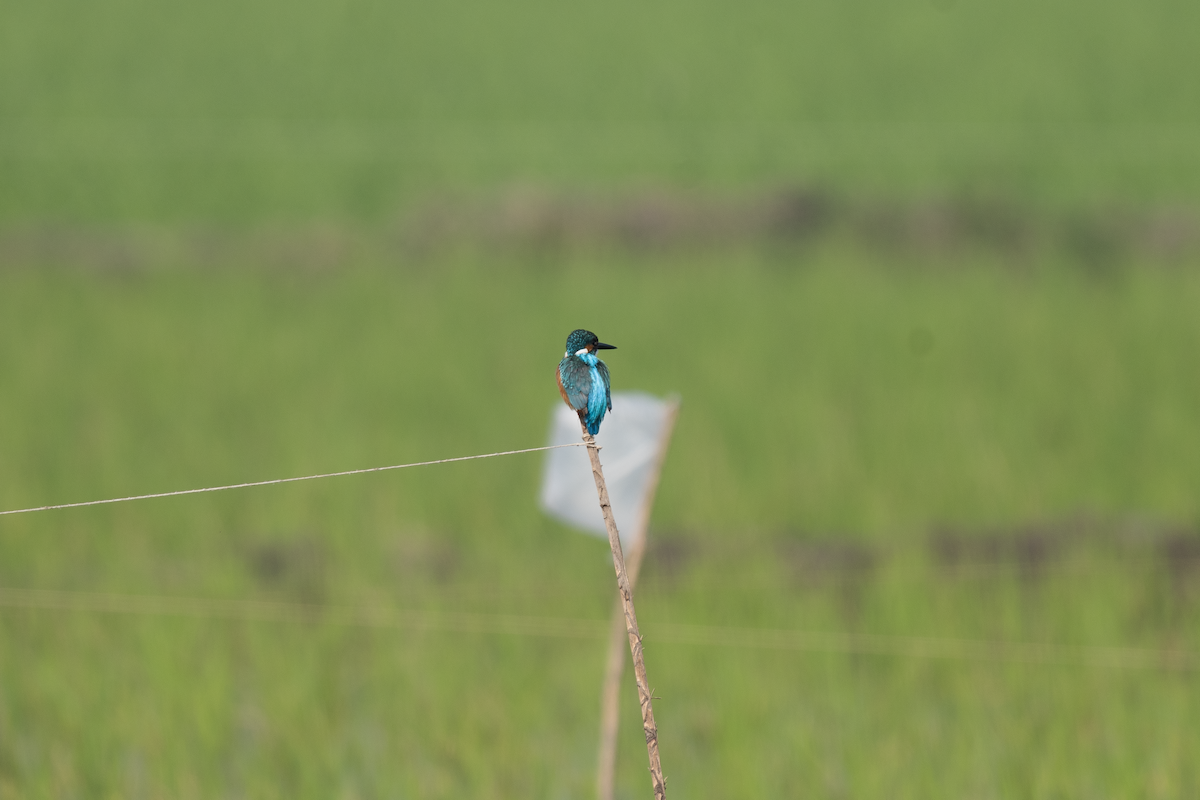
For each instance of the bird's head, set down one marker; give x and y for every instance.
(581, 341)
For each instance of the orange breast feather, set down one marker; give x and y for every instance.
(561, 389)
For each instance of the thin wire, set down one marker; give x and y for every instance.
(377, 616)
(284, 480)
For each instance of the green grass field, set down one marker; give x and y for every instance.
(960, 480)
(801, 493)
(241, 113)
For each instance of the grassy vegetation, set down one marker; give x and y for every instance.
(243, 112)
(959, 442)
(811, 422)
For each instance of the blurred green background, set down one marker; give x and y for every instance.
(925, 275)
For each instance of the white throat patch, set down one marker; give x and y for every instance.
(582, 352)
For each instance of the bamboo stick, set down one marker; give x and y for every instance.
(610, 709)
(631, 626)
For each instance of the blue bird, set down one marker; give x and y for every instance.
(583, 379)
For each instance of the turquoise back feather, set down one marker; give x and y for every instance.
(586, 383)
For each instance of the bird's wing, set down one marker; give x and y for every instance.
(600, 365)
(574, 381)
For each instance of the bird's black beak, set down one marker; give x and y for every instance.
(603, 346)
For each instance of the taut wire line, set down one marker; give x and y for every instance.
(285, 480)
(379, 616)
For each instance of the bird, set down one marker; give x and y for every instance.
(583, 379)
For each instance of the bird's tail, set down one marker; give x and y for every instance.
(593, 426)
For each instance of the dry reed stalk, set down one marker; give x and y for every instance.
(610, 711)
(631, 626)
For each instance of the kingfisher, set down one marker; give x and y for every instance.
(583, 379)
